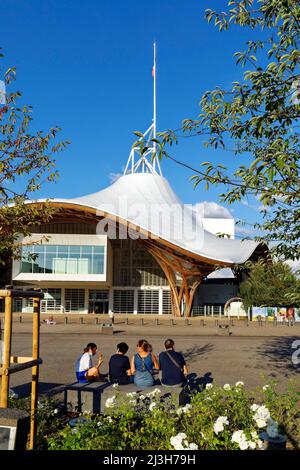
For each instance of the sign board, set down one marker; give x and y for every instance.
(280, 313)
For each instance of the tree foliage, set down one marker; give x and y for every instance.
(270, 284)
(256, 120)
(27, 160)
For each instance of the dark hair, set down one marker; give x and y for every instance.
(143, 343)
(169, 343)
(89, 346)
(122, 348)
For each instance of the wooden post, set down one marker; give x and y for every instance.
(35, 370)
(7, 350)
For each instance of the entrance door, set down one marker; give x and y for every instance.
(98, 301)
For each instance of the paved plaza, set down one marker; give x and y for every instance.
(253, 354)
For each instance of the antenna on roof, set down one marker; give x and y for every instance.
(146, 163)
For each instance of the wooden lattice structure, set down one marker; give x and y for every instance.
(12, 364)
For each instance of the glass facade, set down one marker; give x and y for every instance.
(63, 259)
(134, 266)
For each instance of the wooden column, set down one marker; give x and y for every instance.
(188, 306)
(35, 369)
(7, 351)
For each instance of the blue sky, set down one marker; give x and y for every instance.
(86, 66)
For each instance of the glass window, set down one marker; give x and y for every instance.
(98, 264)
(75, 249)
(87, 249)
(63, 259)
(59, 266)
(50, 248)
(38, 249)
(99, 249)
(62, 248)
(49, 263)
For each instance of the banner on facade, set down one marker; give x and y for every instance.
(280, 313)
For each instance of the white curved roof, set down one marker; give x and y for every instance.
(148, 201)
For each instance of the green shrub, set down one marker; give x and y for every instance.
(226, 417)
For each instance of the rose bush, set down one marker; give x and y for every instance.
(216, 418)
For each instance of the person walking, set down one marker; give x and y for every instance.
(143, 364)
(172, 365)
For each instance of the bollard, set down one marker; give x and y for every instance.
(156, 321)
(216, 322)
(66, 320)
(247, 322)
(81, 320)
(20, 318)
(142, 321)
(96, 321)
(173, 322)
(126, 321)
(275, 322)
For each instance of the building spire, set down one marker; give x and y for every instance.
(146, 163)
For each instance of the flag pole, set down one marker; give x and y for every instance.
(154, 101)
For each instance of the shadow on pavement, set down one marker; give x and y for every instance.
(196, 351)
(278, 352)
(45, 388)
(197, 384)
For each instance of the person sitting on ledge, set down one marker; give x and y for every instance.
(119, 366)
(85, 371)
(143, 364)
(172, 365)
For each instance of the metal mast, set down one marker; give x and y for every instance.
(146, 163)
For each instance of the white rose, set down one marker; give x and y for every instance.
(132, 402)
(110, 402)
(227, 387)
(152, 406)
(243, 445)
(261, 423)
(186, 408)
(219, 424)
(208, 386)
(260, 443)
(193, 446)
(239, 384)
(252, 445)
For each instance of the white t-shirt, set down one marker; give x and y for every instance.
(84, 362)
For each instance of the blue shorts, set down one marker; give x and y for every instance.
(81, 376)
